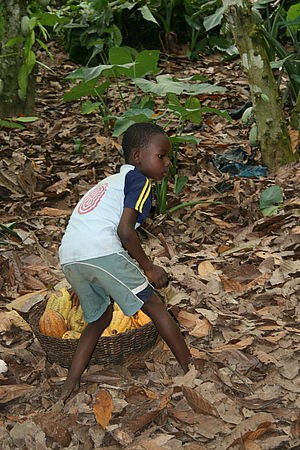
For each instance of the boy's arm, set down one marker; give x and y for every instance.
(130, 241)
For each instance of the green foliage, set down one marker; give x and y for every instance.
(16, 122)
(279, 26)
(129, 66)
(34, 29)
(77, 146)
(270, 200)
(7, 231)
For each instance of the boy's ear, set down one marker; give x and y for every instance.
(136, 154)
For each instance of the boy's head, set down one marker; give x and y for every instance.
(147, 147)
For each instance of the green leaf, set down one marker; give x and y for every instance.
(14, 41)
(143, 63)
(219, 112)
(89, 107)
(50, 20)
(147, 14)
(214, 20)
(179, 184)
(165, 84)
(121, 125)
(130, 117)
(30, 62)
(24, 119)
(184, 140)
(9, 230)
(23, 78)
(292, 14)
(270, 197)
(89, 73)
(6, 124)
(44, 46)
(85, 89)
(270, 211)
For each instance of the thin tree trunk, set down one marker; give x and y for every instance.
(273, 134)
(11, 59)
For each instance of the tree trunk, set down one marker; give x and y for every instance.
(10, 62)
(275, 143)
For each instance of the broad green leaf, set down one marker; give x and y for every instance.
(130, 117)
(192, 78)
(6, 124)
(270, 211)
(145, 61)
(270, 196)
(184, 140)
(219, 112)
(89, 107)
(147, 14)
(121, 126)
(136, 112)
(214, 20)
(165, 84)
(293, 14)
(23, 78)
(50, 20)
(28, 119)
(32, 22)
(85, 89)
(88, 73)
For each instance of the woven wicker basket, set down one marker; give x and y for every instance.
(109, 350)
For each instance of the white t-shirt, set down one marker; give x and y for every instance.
(92, 229)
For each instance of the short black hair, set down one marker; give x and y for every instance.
(139, 135)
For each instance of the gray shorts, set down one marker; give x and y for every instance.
(115, 276)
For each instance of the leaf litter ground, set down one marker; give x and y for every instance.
(234, 290)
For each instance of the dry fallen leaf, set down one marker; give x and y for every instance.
(198, 403)
(11, 392)
(103, 408)
(205, 268)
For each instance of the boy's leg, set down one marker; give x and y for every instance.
(168, 329)
(84, 350)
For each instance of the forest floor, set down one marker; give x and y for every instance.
(234, 291)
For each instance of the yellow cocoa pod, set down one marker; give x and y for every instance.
(75, 321)
(61, 303)
(134, 320)
(119, 323)
(143, 319)
(116, 307)
(52, 323)
(106, 333)
(139, 319)
(71, 335)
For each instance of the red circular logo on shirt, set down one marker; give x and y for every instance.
(90, 202)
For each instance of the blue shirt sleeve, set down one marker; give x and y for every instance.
(138, 194)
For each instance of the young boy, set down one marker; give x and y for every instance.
(101, 254)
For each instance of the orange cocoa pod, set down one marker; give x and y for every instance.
(52, 323)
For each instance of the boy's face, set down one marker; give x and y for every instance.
(153, 160)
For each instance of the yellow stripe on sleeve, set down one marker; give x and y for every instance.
(137, 205)
(145, 198)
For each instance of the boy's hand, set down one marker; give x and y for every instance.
(74, 298)
(157, 275)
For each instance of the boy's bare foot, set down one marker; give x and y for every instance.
(69, 387)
